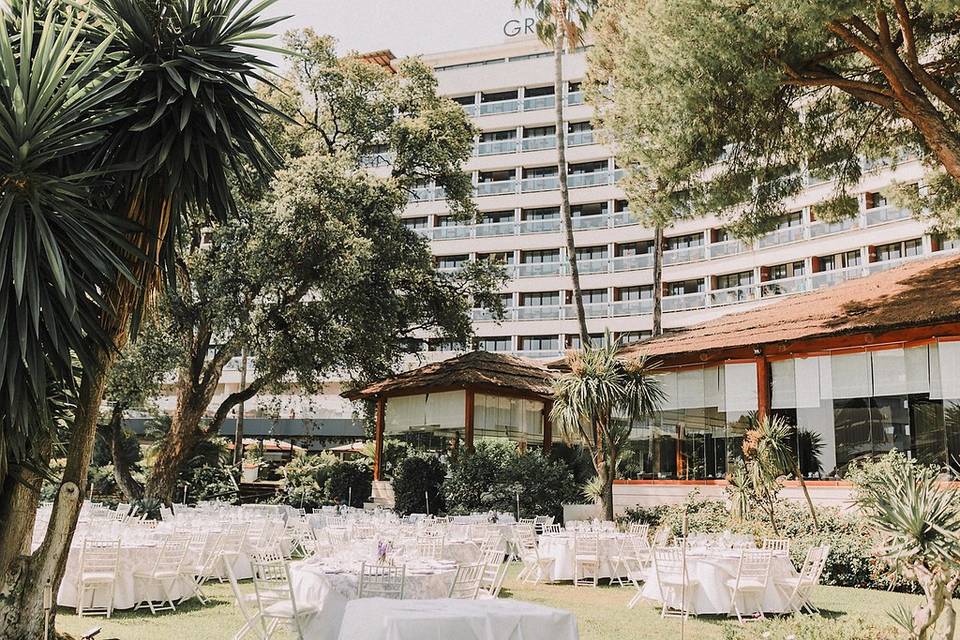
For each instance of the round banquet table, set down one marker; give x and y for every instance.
(331, 586)
(711, 568)
(559, 546)
(139, 556)
(380, 619)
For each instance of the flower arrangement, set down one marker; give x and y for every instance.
(383, 551)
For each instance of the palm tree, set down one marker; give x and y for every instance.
(917, 516)
(562, 22)
(117, 118)
(769, 446)
(598, 400)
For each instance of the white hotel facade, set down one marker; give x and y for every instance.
(508, 92)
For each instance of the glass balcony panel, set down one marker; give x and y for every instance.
(536, 143)
(496, 229)
(574, 98)
(824, 229)
(538, 102)
(577, 180)
(686, 254)
(421, 194)
(598, 221)
(548, 225)
(623, 218)
(889, 213)
(631, 263)
(496, 188)
(593, 266)
(726, 248)
(500, 106)
(452, 232)
(684, 302)
(469, 109)
(496, 147)
(785, 286)
(835, 276)
(732, 295)
(547, 183)
(538, 269)
(780, 236)
(579, 138)
(539, 312)
(632, 307)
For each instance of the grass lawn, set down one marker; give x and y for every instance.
(601, 613)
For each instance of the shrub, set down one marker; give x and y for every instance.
(476, 479)
(797, 627)
(208, 482)
(416, 478)
(349, 482)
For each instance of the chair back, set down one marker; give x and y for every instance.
(494, 571)
(271, 581)
(776, 544)
(235, 587)
(430, 547)
(172, 554)
(586, 545)
(639, 530)
(754, 565)
(381, 581)
(334, 521)
(209, 553)
(661, 537)
(668, 562)
(336, 537)
(100, 556)
(364, 530)
(466, 583)
(234, 537)
(813, 565)
(551, 528)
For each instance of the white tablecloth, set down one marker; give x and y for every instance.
(379, 619)
(560, 548)
(712, 569)
(330, 589)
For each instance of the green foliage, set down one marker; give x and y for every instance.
(349, 483)
(718, 107)
(418, 478)
(130, 448)
(491, 478)
(800, 627)
(208, 482)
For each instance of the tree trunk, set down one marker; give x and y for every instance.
(611, 465)
(806, 495)
(238, 432)
(658, 280)
(132, 491)
(565, 216)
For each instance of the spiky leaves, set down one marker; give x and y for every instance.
(57, 247)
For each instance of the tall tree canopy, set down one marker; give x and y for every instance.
(323, 278)
(774, 89)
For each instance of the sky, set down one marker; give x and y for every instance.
(407, 27)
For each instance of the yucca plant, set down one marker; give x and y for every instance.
(917, 517)
(597, 401)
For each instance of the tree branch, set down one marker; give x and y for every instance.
(233, 400)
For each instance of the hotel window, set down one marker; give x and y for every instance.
(913, 247)
(642, 292)
(495, 343)
(588, 167)
(495, 217)
(573, 340)
(685, 242)
(574, 87)
(593, 296)
(788, 220)
(415, 223)
(496, 176)
(837, 261)
(579, 127)
(787, 270)
(629, 337)
(503, 257)
(540, 299)
(443, 344)
(536, 256)
(598, 252)
(731, 280)
(592, 209)
(874, 199)
(896, 250)
(538, 132)
(498, 96)
(540, 172)
(535, 92)
(465, 100)
(539, 343)
(546, 213)
(495, 136)
(722, 235)
(685, 287)
(633, 248)
(449, 221)
(452, 262)
(620, 206)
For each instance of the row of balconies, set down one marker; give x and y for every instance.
(693, 301)
(684, 255)
(513, 105)
(523, 185)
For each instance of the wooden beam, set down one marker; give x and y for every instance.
(468, 420)
(378, 439)
(547, 427)
(763, 387)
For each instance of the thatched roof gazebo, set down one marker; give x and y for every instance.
(478, 393)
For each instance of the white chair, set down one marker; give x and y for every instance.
(232, 542)
(753, 573)
(677, 588)
(337, 538)
(641, 530)
(381, 581)
(197, 568)
(334, 521)
(163, 575)
(637, 564)
(586, 558)
(430, 547)
(275, 597)
(99, 560)
(535, 568)
(660, 537)
(494, 572)
(551, 528)
(776, 545)
(246, 602)
(800, 588)
(466, 582)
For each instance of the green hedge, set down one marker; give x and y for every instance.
(416, 479)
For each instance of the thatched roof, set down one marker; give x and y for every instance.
(925, 292)
(481, 370)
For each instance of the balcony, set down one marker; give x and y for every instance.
(684, 255)
(450, 232)
(818, 229)
(539, 312)
(492, 229)
(539, 354)
(579, 138)
(596, 178)
(596, 221)
(631, 307)
(598, 265)
(780, 236)
(499, 106)
(726, 248)
(539, 269)
(684, 302)
(590, 310)
(622, 219)
(574, 98)
(632, 263)
(421, 194)
(784, 286)
(543, 183)
(882, 215)
(538, 143)
(538, 102)
(486, 315)
(544, 225)
(470, 109)
(498, 187)
(732, 295)
(496, 147)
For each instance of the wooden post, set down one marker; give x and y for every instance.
(547, 427)
(763, 387)
(468, 420)
(378, 439)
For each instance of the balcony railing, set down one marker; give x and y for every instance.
(537, 143)
(496, 147)
(596, 265)
(684, 302)
(543, 225)
(543, 183)
(783, 286)
(539, 312)
(575, 98)
(469, 109)
(497, 187)
(538, 102)
(538, 269)
(732, 295)
(685, 254)
(881, 215)
(489, 229)
(632, 263)
(596, 221)
(781, 236)
(595, 178)
(579, 138)
(373, 160)
(631, 307)
(499, 106)
(818, 229)
(726, 248)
